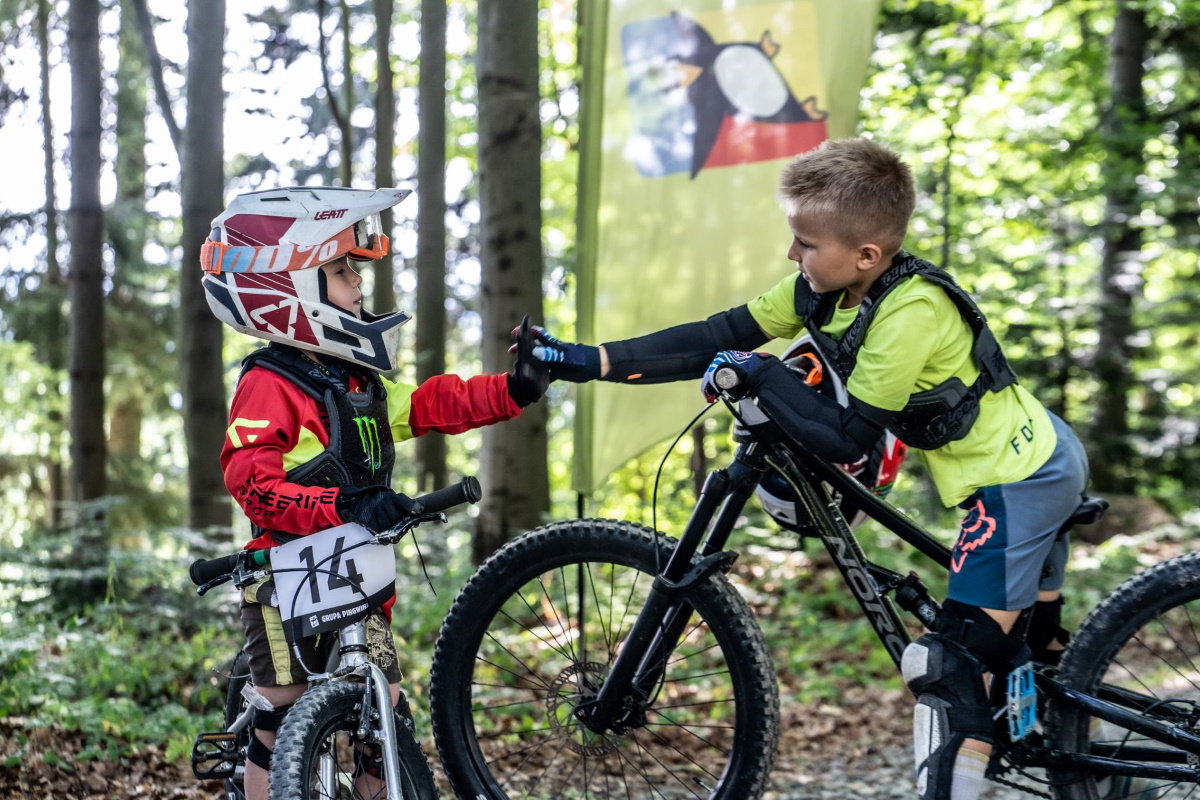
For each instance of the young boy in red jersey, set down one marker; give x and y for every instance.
(313, 425)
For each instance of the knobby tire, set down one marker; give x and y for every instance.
(315, 722)
(239, 675)
(1142, 644)
(513, 661)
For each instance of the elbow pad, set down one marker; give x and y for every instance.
(829, 430)
(683, 351)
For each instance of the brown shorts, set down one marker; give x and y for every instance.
(274, 662)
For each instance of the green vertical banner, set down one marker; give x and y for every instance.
(690, 111)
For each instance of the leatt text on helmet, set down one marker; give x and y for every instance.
(333, 213)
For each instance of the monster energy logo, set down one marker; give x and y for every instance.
(368, 434)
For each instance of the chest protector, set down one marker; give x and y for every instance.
(361, 451)
(935, 417)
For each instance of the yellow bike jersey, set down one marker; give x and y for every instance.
(917, 340)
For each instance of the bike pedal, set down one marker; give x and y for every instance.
(215, 756)
(1022, 702)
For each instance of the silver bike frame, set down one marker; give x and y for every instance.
(354, 647)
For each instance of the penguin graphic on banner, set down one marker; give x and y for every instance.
(703, 104)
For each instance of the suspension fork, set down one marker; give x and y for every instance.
(678, 617)
(664, 617)
(354, 651)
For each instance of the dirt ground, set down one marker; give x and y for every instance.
(859, 748)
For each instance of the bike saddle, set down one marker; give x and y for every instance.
(1090, 511)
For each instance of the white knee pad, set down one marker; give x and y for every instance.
(951, 707)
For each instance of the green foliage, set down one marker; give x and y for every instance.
(1001, 110)
(117, 679)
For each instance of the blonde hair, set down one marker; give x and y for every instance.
(860, 190)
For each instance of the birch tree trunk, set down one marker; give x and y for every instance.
(1121, 266)
(431, 229)
(202, 368)
(513, 469)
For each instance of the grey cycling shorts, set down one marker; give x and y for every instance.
(1009, 545)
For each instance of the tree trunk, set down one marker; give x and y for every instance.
(127, 225)
(127, 228)
(383, 298)
(341, 120)
(87, 267)
(202, 369)
(431, 229)
(513, 469)
(86, 282)
(347, 144)
(56, 331)
(1121, 265)
(699, 461)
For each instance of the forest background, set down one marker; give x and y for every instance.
(1056, 149)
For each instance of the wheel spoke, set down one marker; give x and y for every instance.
(690, 678)
(688, 729)
(668, 770)
(561, 648)
(608, 642)
(686, 656)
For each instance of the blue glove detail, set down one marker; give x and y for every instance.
(742, 363)
(578, 363)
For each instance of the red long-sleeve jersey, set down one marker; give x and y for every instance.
(274, 427)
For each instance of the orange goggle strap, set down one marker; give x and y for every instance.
(218, 257)
(816, 370)
(377, 247)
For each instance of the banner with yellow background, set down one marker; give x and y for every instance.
(690, 111)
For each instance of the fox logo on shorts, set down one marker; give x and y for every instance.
(977, 528)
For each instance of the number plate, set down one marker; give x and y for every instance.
(330, 579)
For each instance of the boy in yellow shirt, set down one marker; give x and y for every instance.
(917, 357)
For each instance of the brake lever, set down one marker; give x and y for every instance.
(214, 583)
(398, 531)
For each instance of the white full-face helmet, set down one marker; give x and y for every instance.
(876, 470)
(261, 269)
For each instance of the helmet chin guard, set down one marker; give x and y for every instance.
(262, 276)
(876, 470)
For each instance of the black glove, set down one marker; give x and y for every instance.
(530, 375)
(578, 363)
(376, 508)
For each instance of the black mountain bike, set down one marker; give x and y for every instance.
(320, 745)
(598, 658)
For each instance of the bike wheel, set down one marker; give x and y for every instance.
(315, 753)
(1139, 649)
(536, 630)
(235, 704)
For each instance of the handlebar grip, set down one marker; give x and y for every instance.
(727, 378)
(201, 571)
(465, 491)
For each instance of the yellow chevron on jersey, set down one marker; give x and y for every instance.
(242, 422)
(308, 446)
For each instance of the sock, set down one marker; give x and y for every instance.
(969, 769)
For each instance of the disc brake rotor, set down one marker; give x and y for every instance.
(574, 684)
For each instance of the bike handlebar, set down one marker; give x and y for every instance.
(465, 491)
(201, 571)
